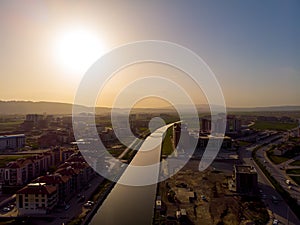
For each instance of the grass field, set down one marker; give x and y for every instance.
(4, 159)
(293, 171)
(265, 125)
(296, 179)
(9, 126)
(276, 159)
(243, 143)
(295, 163)
(167, 145)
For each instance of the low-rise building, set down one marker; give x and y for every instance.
(61, 182)
(203, 141)
(36, 198)
(12, 142)
(16, 174)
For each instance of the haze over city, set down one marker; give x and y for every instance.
(252, 47)
(145, 112)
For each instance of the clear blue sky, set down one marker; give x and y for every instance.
(253, 47)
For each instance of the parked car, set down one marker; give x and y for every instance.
(263, 196)
(275, 200)
(82, 198)
(87, 205)
(6, 209)
(90, 202)
(67, 207)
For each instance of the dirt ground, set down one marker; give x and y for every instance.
(206, 199)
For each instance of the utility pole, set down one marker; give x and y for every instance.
(287, 216)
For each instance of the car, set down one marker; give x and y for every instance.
(6, 209)
(81, 199)
(263, 196)
(87, 205)
(275, 200)
(90, 202)
(275, 222)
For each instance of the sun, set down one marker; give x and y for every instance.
(76, 50)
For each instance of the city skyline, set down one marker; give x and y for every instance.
(252, 47)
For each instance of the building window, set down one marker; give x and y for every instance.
(20, 201)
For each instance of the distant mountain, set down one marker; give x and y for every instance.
(265, 109)
(27, 107)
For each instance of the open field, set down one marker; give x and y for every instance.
(277, 159)
(283, 158)
(243, 143)
(167, 145)
(293, 171)
(9, 126)
(265, 125)
(213, 202)
(295, 163)
(4, 159)
(296, 179)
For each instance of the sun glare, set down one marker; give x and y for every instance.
(78, 49)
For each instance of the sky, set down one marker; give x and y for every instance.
(253, 47)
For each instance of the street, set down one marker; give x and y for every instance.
(279, 211)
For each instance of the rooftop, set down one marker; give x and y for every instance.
(37, 188)
(244, 169)
(12, 136)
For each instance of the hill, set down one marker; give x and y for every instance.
(28, 107)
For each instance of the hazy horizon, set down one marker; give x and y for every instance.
(253, 48)
(154, 106)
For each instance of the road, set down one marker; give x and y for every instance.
(61, 215)
(280, 211)
(277, 173)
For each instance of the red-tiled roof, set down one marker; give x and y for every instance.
(37, 189)
(53, 179)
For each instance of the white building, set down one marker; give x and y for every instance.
(12, 142)
(36, 198)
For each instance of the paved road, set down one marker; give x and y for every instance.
(280, 211)
(278, 174)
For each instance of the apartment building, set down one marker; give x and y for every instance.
(36, 198)
(62, 183)
(12, 142)
(20, 172)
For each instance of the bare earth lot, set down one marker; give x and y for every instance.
(213, 202)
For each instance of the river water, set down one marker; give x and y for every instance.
(134, 204)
